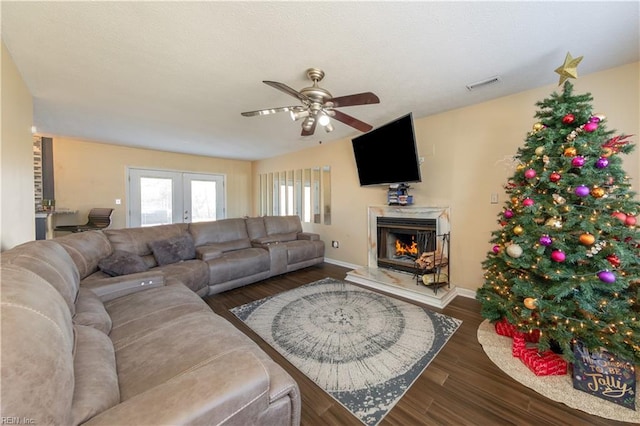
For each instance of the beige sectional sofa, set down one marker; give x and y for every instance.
(82, 346)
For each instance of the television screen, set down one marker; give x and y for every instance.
(388, 154)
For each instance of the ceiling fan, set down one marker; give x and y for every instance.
(318, 105)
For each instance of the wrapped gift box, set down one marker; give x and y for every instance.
(543, 364)
(504, 328)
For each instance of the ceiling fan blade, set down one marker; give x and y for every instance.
(269, 111)
(288, 90)
(311, 131)
(357, 99)
(352, 121)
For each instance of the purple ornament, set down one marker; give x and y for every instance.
(607, 276)
(594, 119)
(582, 191)
(578, 161)
(546, 240)
(590, 126)
(602, 162)
(527, 202)
(496, 249)
(508, 214)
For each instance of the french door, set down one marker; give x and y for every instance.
(158, 197)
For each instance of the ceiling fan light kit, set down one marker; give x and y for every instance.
(318, 105)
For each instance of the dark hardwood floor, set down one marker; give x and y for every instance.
(461, 386)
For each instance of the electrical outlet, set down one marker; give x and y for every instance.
(335, 244)
(494, 198)
(118, 201)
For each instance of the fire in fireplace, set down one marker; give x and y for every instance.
(401, 240)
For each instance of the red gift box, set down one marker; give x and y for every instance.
(545, 364)
(504, 328)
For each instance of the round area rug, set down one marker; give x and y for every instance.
(363, 348)
(557, 388)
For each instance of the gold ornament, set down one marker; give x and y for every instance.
(607, 152)
(537, 127)
(569, 69)
(587, 239)
(539, 150)
(520, 167)
(597, 192)
(554, 222)
(518, 230)
(570, 152)
(558, 199)
(530, 303)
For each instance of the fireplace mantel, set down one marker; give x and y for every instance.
(402, 283)
(440, 214)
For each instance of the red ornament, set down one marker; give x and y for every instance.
(614, 260)
(568, 119)
(554, 177)
(620, 216)
(630, 221)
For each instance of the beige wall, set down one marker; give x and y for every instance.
(90, 174)
(466, 159)
(17, 210)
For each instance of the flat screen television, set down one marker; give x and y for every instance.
(388, 154)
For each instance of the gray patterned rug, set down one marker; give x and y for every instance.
(363, 348)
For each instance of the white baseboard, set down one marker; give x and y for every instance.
(341, 263)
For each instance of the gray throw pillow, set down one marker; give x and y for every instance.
(173, 250)
(122, 262)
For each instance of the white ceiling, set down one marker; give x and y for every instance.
(175, 76)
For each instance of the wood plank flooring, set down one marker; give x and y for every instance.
(461, 386)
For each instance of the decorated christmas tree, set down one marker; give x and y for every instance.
(565, 261)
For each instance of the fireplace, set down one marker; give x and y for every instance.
(401, 240)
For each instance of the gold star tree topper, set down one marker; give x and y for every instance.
(569, 69)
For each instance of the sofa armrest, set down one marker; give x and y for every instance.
(113, 287)
(233, 388)
(208, 253)
(310, 236)
(263, 242)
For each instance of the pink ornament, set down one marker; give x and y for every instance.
(508, 214)
(578, 161)
(607, 276)
(558, 256)
(590, 126)
(496, 249)
(602, 162)
(582, 191)
(527, 202)
(530, 173)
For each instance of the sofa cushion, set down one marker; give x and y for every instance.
(136, 240)
(174, 249)
(238, 264)
(282, 224)
(122, 262)
(192, 273)
(37, 348)
(90, 311)
(96, 380)
(219, 231)
(300, 251)
(255, 227)
(50, 261)
(86, 249)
